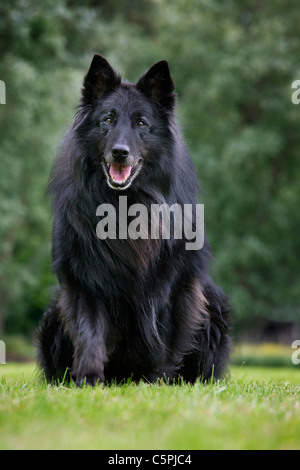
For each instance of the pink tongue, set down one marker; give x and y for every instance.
(120, 173)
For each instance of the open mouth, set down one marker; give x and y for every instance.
(120, 176)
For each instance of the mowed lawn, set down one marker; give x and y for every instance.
(254, 408)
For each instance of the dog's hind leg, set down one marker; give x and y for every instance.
(214, 343)
(55, 350)
(202, 322)
(219, 341)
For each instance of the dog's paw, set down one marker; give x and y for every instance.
(89, 379)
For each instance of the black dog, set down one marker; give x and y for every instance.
(143, 307)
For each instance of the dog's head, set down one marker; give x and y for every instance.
(127, 119)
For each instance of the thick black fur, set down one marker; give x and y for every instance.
(145, 309)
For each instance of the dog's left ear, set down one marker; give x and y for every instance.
(158, 84)
(100, 79)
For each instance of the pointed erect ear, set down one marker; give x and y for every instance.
(100, 79)
(158, 84)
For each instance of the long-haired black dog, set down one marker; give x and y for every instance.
(142, 308)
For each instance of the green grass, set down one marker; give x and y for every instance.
(266, 354)
(254, 408)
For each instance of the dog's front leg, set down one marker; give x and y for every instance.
(89, 356)
(85, 320)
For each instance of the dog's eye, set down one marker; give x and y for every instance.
(108, 120)
(141, 123)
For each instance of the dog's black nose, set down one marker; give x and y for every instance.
(120, 151)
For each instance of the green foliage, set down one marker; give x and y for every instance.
(233, 63)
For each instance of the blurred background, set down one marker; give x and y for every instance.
(233, 63)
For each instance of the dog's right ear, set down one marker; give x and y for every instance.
(157, 83)
(100, 79)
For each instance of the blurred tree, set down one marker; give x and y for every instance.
(45, 50)
(234, 65)
(31, 125)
